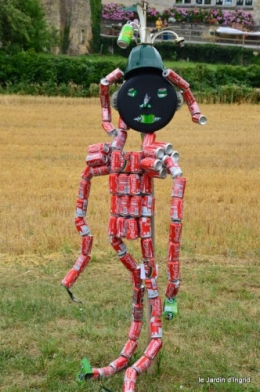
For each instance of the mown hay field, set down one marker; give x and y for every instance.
(43, 149)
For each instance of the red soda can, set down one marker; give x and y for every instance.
(119, 364)
(124, 205)
(121, 227)
(115, 205)
(96, 374)
(137, 312)
(130, 375)
(117, 161)
(112, 229)
(150, 268)
(70, 278)
(123, 184)
(148, 204)
(81, 226)
(142, 364)
(151, 287)
(158, 174)
(104, 98)
(109, 128)
(129, 386)
(176, 211)
(173, 270)
(81, 208)
(172, 167)
(106, 113)
(153, 151)
(188, 97)
(118, 246)
(134, 184)
(145, 227)
(104, 87)
(155, 327)
(114, 76)
(176, 79)
(122, 125)
(135, 162)
(156, 304)
(178, 187)
(87, 174)
(99, 147)
(146, 186)
(175, 231)
(153, 348)
(128, 261)
(84, 189)
(151, 164)
(167, 147)
(138, 295)
(100, 170)
(113, 179)
(107, 371)
(97, 159)
(194, 109)
(136, 276)
(147, 247)
(148, 139)
(81, 263)
(173, 251)
(119, 141)
(132, 229)
(135, 330)
(129, 348)
(135, 206)
(172, 289)
(127, 162)
(86, 244)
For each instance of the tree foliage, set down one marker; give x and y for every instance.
(23, 26)
(96, 11)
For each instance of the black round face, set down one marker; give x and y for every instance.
(146, 102)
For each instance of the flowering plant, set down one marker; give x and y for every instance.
(114, 11)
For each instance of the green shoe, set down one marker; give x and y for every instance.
(170, 308)
(85, 370)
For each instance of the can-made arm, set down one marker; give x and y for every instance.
(188, 97)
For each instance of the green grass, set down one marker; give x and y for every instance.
(44, 336)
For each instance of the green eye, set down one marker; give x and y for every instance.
(162, 92)
(132, 92)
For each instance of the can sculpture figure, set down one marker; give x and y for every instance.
(146, 102)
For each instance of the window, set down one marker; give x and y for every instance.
(203, 2)
(227, 2)
(183, 1)
(220, 2)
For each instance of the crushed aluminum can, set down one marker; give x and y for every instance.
(142, 364)
(86, 244)
(135, 330)
(173, 270)
(153, 348)
(118, 246)
(129, 348)
(172, 289)
(155, 327)
(82, 226)
(178, 187)
(129, 262)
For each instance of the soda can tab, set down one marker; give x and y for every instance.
(97, 159)
(119, 364)
(151, 287)
(135, 207)
(135, 330)
(155, 327)
(70, 278)
(173, 270)
(86, 245)
(128, 350)
(81, 208)
(176, 211)
(153, 348)
(119, 141)
(150, 268)
(176, 79)
(129, 262)
(134, 184)
(113, 179)
(118, 246)
(114, 76)
(100, 170)
(98, 148)
(167, 147)
(156, 305)
(136, 277)
(115, 205)
(146, 186)
(112, 229)
(81, 263)
(123, 184)
(149, 138)
(107, 371)
(132, 232)
(122, 125)
(129, 386)
(142, 364)
(158, 174)
(137, 312)
(148, 205)
(124, 205)
(147, 247)
(84, 189)
(121, 227)
(145, 227)
(153, 151)
(117, 161)
(178, 187)
(109, 128)
(175, 231)
(151, 164)
(130, 375)
(125, 36)
(87, 174)
(135, 162)
(188, 97)
(127, 162)
(81, 226)
(172, 289)
(138, 295)
(173, 251)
